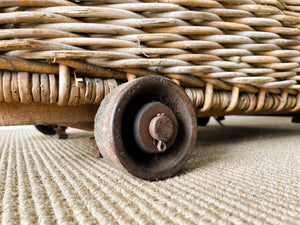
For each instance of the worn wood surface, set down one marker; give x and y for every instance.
(15, 64)
(36, 113)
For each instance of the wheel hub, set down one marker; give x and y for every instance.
(155, 127)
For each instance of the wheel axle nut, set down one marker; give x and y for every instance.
(155, 128)
(161, 128)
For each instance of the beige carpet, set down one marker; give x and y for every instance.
(247, 173)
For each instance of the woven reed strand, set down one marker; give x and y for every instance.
(27, 87)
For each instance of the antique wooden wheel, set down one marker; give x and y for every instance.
(147, 127)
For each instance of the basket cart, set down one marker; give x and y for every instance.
(153, 66)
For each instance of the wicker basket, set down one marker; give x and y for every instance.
(231, 56)
(235, 57)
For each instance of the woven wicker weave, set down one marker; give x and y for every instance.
(231, 55)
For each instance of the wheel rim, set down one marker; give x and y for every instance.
(120, 145)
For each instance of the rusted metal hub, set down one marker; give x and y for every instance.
(161, 128)
(155, 127)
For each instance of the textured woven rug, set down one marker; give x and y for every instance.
(245, 173)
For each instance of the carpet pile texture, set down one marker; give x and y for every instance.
(247, 172)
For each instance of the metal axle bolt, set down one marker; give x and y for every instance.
(155, 128)
(161, 128)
